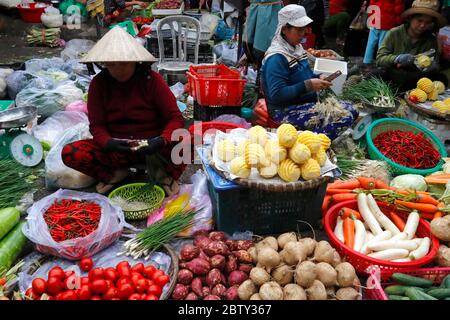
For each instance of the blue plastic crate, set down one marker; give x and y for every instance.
(236, 208)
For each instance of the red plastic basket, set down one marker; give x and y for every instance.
(198, 130)
(215, 85)
(374, 288)
(31, 12)
(362, 262)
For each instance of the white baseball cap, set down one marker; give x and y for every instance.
(295, 15)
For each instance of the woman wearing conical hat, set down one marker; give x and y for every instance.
(401, 44)
(127, 102)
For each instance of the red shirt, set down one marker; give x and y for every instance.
(139, 108)
(390, 12)
(337, 6)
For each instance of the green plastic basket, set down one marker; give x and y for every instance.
(386, 124)
(153, 197)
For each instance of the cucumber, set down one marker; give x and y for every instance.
(439, 293)
(395, 297)
(399, 290)
(446, 282)
(415, 294)
(412, 281)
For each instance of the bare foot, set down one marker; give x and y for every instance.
(119, 175)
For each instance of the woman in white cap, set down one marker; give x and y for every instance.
(287, 79)
(127, 102)
(401, 44)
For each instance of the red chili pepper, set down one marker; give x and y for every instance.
(407, 149)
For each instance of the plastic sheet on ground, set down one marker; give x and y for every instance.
(104, 259)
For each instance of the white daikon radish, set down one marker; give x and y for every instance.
(418, 241)
(367, 215)
(385, 235)
(339, 229)
(411, 224)
(399, 236)
(402, 260)
(360, 235)
(380, 217)
(390, 254)
(389, 244)
(422, 250)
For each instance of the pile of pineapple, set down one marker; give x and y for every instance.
(430, 90)
(292, 155)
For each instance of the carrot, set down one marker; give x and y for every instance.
(2, 281)
(397, 221)
(424, 207)
(326, 204)
(349, 184)
(423, 198)
(438, 215)
(440, 176)
(408, 192)
(349, 213)
(381, 185)
(349, 232)
(441, 205)
(342, 197)
(336, 191)
(434, 180)
(367, 183)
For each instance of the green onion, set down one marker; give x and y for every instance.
(372, 91)
(159, 233)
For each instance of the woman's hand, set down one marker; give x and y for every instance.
(319, 84)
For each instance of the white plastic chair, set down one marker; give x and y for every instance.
(183, 30)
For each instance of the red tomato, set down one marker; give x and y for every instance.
(54, 285)
(150, 282)
(86, 264)
(84, 293)
(135, 277)
(96, 298)
(98, 286)
(138, 267)
(39, 286)
(154, 289)
(33, 296)
(59, 296)
(125, 290)
(149, 271)
(141, 285)
(111, 274)
(110, 294)
(56, 272)
(123, 281)
(151, 297)
(115, 299)
(162, 280)
(109, 283)
(122, 263)
(84, 280)
(71, 282)
(96, 273)
(135, 296)
(68, 274)
(69, 295)
(156, 274)
(124, 271)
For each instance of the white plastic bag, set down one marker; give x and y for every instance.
(58, 175)
(112, 222)
(52, 20)
(76, 49)
(49, 101)
(52, 129)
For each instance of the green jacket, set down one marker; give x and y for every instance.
(397, 41)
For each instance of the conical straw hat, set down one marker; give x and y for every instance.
(118, 46)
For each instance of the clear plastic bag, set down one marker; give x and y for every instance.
(112, 222)
(52, 20)
(17, 81)
(49, 101)
(77, 106)
(232, 118)
(104, 259)
(193, 195)
(58, 175)
(52, 129)
(76, 49)
(36, 65)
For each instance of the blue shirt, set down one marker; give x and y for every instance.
(284, 85)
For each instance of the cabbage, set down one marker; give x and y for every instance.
(410, 181)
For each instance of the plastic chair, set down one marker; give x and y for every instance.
(181, 29)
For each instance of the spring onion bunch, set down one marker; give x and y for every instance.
(372, 91)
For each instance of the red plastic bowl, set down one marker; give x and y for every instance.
(361, 262)
(31, 12)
